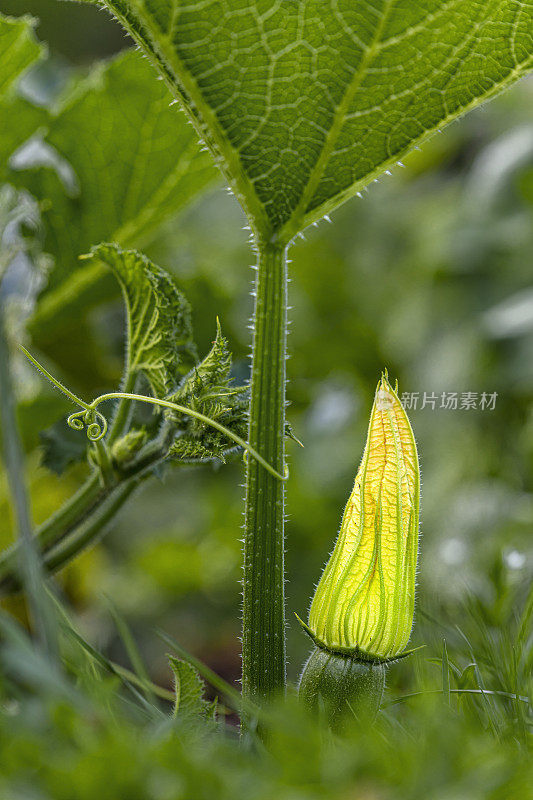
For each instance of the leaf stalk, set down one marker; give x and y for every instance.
(263, 640)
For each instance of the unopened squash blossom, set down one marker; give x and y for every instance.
(362, 612)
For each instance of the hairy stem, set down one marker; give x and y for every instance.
(82, 518)
(78, 507)
(123, 411)
(263, 648)
(90, 525)
(87, 532)
(104, 462)
(91, 529)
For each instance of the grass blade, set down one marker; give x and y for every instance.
(445, 673)
(132, 650)
(29, 563)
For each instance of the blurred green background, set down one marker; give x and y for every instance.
(429, 274)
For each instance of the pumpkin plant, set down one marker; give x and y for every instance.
(301, 105)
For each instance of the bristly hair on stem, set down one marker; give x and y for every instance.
(263, 638)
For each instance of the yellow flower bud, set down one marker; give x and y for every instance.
(364, 602)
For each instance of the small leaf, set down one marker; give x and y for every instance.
(211, 711)
(134, 654)
(160, 341)
(208, 389)
(213, 371)
(189, 689)
(61, 447)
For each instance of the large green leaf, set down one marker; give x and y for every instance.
(136, 162)
(305, 101)
(24, 120)
(18, 50)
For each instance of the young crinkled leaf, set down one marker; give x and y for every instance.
(304, 102)
(160, 346)
(208, 389)
(160, 343)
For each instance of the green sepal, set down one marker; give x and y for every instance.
(355, 653)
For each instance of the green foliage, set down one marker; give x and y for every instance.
(90, 732)
(207, 389)
(305, 102)
(160, 347)
(19, 50)
(159, 329)
(147, 165)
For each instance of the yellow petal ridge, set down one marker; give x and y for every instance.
(365, 597)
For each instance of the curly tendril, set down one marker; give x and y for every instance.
(92, 421)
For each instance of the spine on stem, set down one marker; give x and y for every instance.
(263, 649)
